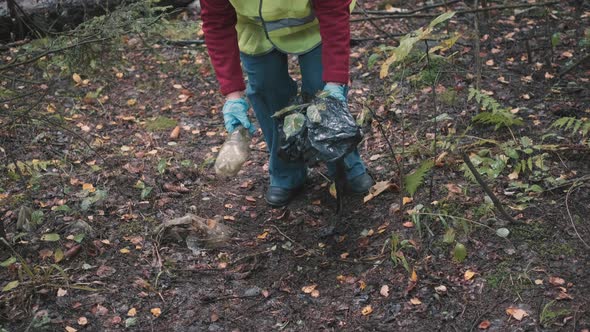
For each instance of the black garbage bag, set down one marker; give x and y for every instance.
(321, 131)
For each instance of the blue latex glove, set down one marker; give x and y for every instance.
(336, 91)
(235, 113)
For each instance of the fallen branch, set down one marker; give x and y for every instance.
(575, 64)
(460, 12)
(486, 189)
(385, 12)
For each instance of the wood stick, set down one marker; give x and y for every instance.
(486, 189)
(460, 12)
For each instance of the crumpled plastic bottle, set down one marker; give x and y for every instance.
(233, 153)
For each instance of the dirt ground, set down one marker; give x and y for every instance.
(375, 268)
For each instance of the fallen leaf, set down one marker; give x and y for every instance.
(76, 78)
(442, 289)
(538, 282)
(250, 199)
(379, 188)
(175, 133)
(88, 187)
(490, 62)
(315, 293)
(70, 329)
(468, 275)
(45, 253)
(415, 301)
(214, 317)
(502, 80)
(414, 276)
(309, 289)
(156, 312)
(229, 218)
(453, 188)
(131, 102)
(563, 296)
(367, 310)
(105, 271)
(262, 236)
(567, 54)
(484, 324)
(517, 313)
(82, 321)
(132, 312)
(556, 281)
(61, 292)
(406, 200)
(176, 188)
(384, 291)
(525, 96)
(124, 251)
(408, 224)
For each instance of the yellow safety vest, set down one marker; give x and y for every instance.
(287, 25)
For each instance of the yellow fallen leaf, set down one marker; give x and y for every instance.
(415, 301)
(156, 312)
(175, 133)
(407, 200)
(88, 187)
(124, 251)
(367, 310)
(119, 75)
(414, 276)
(538, 282)
(315, 293)
(379, 188)
(262, 236)
(469, 275)
(77, 78)
(332, 190)
(51, 108)
(131, 102)
(70, 329)
(132, 312)
(362, 284)
(309, 289)
(517, 313)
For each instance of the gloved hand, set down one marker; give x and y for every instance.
(235, 113)
(336, 90)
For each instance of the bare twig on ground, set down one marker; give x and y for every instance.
(486, 189)
(477, 58)
(421, 9)
(460, 12)
(567, 208)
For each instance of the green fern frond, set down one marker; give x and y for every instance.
(495, 114)
(416, 179)
(572, 125)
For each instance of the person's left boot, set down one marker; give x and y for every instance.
(360, 184)
(278, 197)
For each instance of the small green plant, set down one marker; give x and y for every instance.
(495, 114)
(414, 180)
(397, 255)
(549, 315)
(573, 126)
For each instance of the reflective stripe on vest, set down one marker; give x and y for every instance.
(288, 22)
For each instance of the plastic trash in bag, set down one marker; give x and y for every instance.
(233, 153)
(320, 131)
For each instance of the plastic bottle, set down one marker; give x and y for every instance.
(234, 153)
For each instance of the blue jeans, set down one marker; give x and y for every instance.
(270, 88)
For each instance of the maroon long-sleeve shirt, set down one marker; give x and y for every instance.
(219, 21)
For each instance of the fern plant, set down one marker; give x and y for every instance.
(413, 181)
(495, 114)
(573, 126)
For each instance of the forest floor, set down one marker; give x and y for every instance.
(117, 167)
